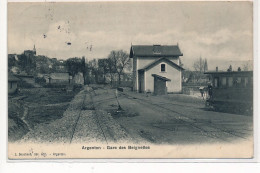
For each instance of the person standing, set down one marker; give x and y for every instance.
(201, 88)
(210, 90)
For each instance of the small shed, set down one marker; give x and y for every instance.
(160, 87)
(12, 84)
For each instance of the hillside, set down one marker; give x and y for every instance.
(34, 64)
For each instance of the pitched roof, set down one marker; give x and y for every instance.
(23, 75)
(161, 77)
(60, 76)
(149, 66)
(155, 50)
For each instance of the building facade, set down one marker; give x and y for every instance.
(30, 52)
(60, 78)
(156, 68)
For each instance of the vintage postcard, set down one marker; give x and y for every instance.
(161, 79)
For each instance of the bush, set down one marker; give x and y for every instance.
(40, 80)
(77, 87)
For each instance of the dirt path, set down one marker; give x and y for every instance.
(160, 120)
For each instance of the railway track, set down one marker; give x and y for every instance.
(88, 105)
(189, 121)
(97, 118)
(109, 130)
(77, 120)
(110, 127)
(181, 118)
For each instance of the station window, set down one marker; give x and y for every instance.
(216, 82)
(230, 81)
(239, 80)
(224, 81)
(162, 67)
(246, 81)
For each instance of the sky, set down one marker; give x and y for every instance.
(221, 32)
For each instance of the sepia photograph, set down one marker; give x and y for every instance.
(154, 79)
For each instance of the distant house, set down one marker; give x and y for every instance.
(12, 83)
(156, 68)
(44, 76)
(60, 78)
(78, 78)
(29, 79)
(47, 78)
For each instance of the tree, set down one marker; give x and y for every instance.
(245, 67)
(87, 72)
(74, 65)
(200, 65)
(11, 61)
(120, 61)
(83, 69)
(103, 66)
(205, 65)
(230, 68)
(27, 63)
(111, 70)
(93, 68)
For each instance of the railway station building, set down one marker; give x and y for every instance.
(156, 68)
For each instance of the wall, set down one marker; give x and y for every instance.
(135, 77)
(141, 80)
(172, 73)
(59, 81)
(141, 62)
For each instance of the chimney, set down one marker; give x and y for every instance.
(216, 68)
(156, 49)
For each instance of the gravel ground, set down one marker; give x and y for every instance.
(87, 129)
(173, 119)
(59, 130)
(80, 123)
(94, 116)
